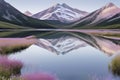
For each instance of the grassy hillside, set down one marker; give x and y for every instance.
(11, 15)
(114, 26)
(5, 25)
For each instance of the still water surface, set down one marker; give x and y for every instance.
(68, 55)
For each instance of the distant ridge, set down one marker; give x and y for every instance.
(28, 13)
(106, 15)
(11, 15)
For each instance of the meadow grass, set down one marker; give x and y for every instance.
(5, 25)
(10, 69)
(11, 45)
(13, 49)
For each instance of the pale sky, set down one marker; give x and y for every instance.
(35, 6)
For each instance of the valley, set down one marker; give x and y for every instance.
(61, 16)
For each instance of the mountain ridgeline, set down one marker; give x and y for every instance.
(11, 15)
(62, 13)
(106, 17)
(60, 16)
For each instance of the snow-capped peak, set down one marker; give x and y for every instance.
(110, 5)
(58, 5)
(61, 12)
(110, 9)
(28, 13)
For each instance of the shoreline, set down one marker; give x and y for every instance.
(69, 30)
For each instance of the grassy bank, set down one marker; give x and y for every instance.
(114, 66)
(11, 45)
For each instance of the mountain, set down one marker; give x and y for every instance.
(11, 15)
(28, 13)
(102, 17)
(60, 16)
(61, 12)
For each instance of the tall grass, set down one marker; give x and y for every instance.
(114, 66)
(9, 67)
(36, 76)
(11, 78)
(10, 70)
(11, 45)
(12, 49)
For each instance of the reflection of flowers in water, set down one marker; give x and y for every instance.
(38, 76)
(114, 66)
(10, 70)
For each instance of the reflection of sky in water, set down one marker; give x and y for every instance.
(75, 65)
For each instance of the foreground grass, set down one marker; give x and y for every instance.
(9, 67)
(114, 66)
(14, 78)
(36, 76)
(11, 70)
(13, 49)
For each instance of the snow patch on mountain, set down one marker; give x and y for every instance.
(28, 13)
(61, 12)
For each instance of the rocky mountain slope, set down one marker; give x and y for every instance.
(62, 13)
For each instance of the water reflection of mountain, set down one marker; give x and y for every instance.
(61, 45)
(67, 42)
(106, 45)
(64, 42)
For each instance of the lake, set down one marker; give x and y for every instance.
(67, 55)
